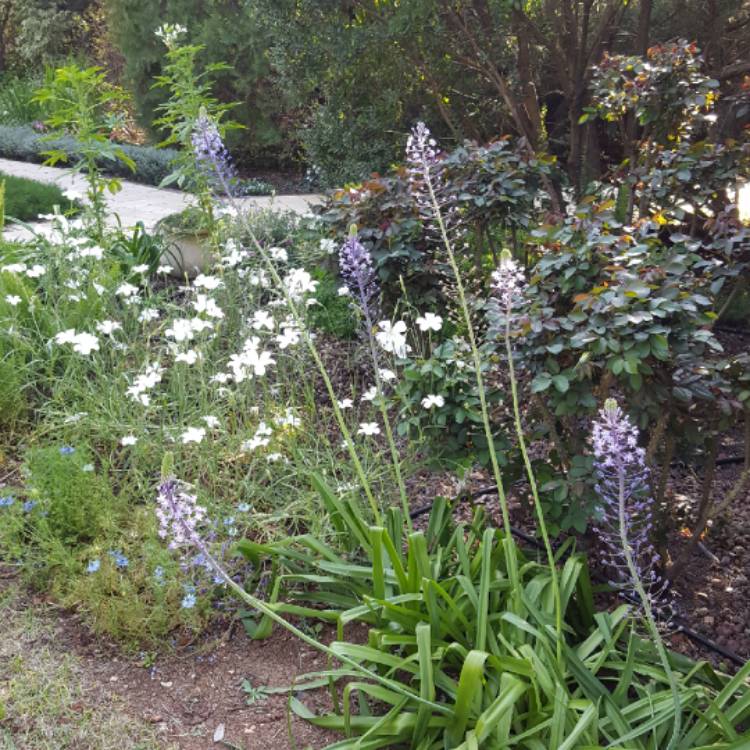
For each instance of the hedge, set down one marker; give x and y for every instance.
(23, 143)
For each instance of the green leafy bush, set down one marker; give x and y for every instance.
(25, 199)
(332, 313)
(23, 143)
(16, 101)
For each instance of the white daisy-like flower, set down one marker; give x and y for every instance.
(429, 322)
(108, 327)
(180, 330)
(193, 435)
(72, 195)
(35, 271)
(368, 428)
(141, 268)
(127, 440)
(263, 319)
(95, 252)
(164, 269)
(207, 282)
(211, 421)
(126, 290)
(67, 336)
(85, 343)
(387, 375)
(299, 282)
(274, 457)
(14, 268)
(207, 305)
(370, 393)
(148, 314)
(392, 337)
(190, 357)
(432, 400)
(278, 254)
(345, 403)
(13, 299)
(289, 336)
(343, 291)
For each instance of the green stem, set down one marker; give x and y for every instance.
(648, 612)
(512, 561)
(534, 491)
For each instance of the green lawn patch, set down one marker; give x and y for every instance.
(25, 199)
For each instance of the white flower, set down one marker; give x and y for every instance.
(262, 319)
(140, 268)
(433, 400)
(221, 378)
(345, 403)
(205, 304)
(98, 288)
(180, 330)
(14, 268)
(278, 254)
(95, 252)
(289, 336)
(260, 439)
(36, 271)
(207, 282)
(126, 290)
(190, 357)
(164, 269)
(193, 435)
(128, 440)
(85, 343)
(343, 291)
(12, 299)
(66, 337)
(370, 393)
(368, 428)
(148, 314)
(72, 195)
(289, 419)
(387, 375)
(298, 282)
(392, 338)
(250, 361)
(198, 324)
(429, 322)
(274, 457)
(108, 327)
(211, 421)
(328, 245)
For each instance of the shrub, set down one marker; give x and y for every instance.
(332, 313)
(23, 143)
(25, 199)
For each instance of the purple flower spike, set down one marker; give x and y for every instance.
(210, 152)
(358, 272)
(625, 523)
(179, 515)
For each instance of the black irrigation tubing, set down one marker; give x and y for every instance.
(682, 626)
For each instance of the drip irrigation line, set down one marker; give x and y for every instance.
(682, 626)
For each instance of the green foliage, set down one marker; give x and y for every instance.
(136, 248)
(81, 103)
(26, 199)
(226, 33)
(73, 501)
(332, 313)
(460, 664)
(17, 105)
(491, 190)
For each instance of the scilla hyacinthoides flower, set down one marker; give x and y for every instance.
(210, 152)
(179, 515)
(358, 272)
(625, 521)
(625, 526)
(508, 281)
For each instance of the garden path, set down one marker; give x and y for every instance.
(137, 202)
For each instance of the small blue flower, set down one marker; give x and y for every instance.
(29, 505)
(159, 575)
(243, 508)
(229, 521)
(188, 601)
(93, 566)
(119, 559)
(218, 579)
(6, 502)
(66, 450)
